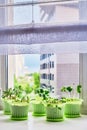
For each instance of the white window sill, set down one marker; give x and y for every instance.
(40, 123)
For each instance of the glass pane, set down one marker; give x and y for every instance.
(41, 11)
(55, 70)
(24, 12)
(21, 70)
(22, 15)
(15, 15)
(58, 12)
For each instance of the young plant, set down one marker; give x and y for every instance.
(6, 100)
(69, 89)
(39, 101)
(54, 102)
(44, 93)
(20, 108)
(7, 93)
(40, 96)
(63, 89)
(54, 110)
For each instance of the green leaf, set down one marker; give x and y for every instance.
(69, 89)
(79, 88)
(63, 89)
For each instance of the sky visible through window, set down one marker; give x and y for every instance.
(32, 61)
(26, 13)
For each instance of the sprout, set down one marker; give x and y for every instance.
(79, 88)
(63, 89)
(69, 89)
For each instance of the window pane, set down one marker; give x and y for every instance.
(65, 71)
(22, 69)
(22, 15)
(58, 12)
(39, 12)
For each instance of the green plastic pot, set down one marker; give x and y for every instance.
(39, 109)
(19, 111)
(55, 113)
(73, 109)
(30, 107)
(6, 106)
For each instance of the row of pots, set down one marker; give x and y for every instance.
(53, 112)
(58, 113)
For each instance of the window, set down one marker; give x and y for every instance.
(49, 55)
(43, 66)
(52, 76)
(52, 64)
(43, 56)
(66, 67)
(45, 15)
(44, 76)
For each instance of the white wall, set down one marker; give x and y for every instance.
(65, 58)
(66, 14)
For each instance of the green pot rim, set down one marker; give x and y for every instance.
(19, 118)
(54, 120)
(7, 113)
(72, 116)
